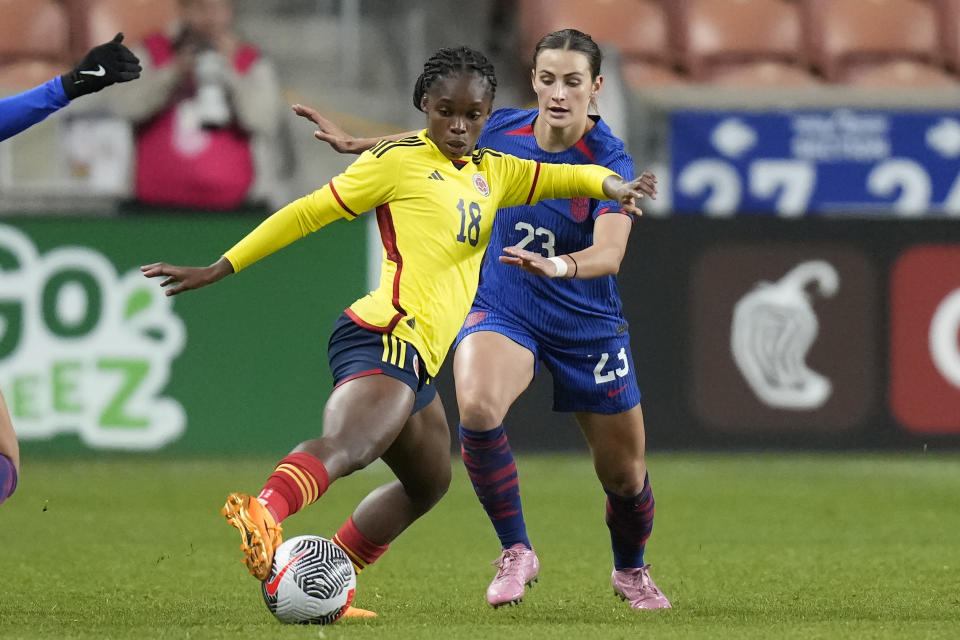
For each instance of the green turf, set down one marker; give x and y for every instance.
(746, 546)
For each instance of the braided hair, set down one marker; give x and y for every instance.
(447, 62)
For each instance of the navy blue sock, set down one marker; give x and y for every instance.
(630, 521)
(493, 472)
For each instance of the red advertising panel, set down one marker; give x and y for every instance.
(925, 339)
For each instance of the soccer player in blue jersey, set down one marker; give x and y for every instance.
(103, 66)
(435, 198)
(561, 307)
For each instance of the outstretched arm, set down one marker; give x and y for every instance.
(186, 278)
(330, 132)
(103, 66)
(289, 224)
(610, 234)
(23, 110)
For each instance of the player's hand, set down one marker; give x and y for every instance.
(328, 131)
(529, 261)
(186, 278)
(629, 193)
(648, 184)
(103, 66)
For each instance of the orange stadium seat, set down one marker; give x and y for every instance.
(33, 29)
(948, 13)
(762, 74)
(741, 41)
(901, 73)
(844, 35)
(33, 43)
(24, 74)
(637, 28)
(639, 74)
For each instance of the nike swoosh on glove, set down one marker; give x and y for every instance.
(103, 66)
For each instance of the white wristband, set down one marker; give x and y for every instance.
(561, 266)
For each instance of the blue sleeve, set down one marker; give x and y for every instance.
(30, 107)
(622, 163)
(8, 478)
(489, 129)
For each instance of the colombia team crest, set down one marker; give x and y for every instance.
(481, 184)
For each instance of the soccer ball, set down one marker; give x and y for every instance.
(311, 581)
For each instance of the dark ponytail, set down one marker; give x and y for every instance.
(447, 62)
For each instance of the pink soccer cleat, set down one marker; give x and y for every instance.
(519, 567)
(637, 587)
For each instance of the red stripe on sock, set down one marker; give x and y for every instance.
(362, 550)
(289, 490)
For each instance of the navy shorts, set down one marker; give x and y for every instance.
(597, 376)
(355, 352)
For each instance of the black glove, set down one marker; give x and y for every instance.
(101, 67)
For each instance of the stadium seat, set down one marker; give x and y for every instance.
(716, 36)
(22, 75)
(33, 30)
(948, 16)
(762, 74)
(637, 28)
(639, 74)
(901, 73)
(845, 34)
(100, 20)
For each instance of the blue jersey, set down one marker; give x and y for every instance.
(555, 310)
(25, 109)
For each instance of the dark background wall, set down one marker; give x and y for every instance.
(251, 373)
(680, 281)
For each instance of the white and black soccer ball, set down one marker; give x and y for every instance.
(311, 581)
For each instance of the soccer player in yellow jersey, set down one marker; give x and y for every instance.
(435, 197)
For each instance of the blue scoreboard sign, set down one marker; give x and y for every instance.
(820, 162)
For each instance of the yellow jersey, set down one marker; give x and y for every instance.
(435, 217)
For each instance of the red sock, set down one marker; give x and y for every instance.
(361, 550)
(298, 480)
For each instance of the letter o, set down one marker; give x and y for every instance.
(944, 329)
(91, 313)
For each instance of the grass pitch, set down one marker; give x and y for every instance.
(745, 546)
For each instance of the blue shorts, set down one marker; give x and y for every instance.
(595, 376)
(355, 352)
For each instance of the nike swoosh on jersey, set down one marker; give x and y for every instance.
(274, 584)
(615, 392)
(98, 72)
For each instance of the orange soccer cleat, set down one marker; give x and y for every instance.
(259, 533)
(356, 612)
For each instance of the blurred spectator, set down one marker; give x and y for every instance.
(207, 117)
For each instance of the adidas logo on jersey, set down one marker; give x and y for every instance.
(435, 175)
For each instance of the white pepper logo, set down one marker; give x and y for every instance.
(773, 327)
(84, 349)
